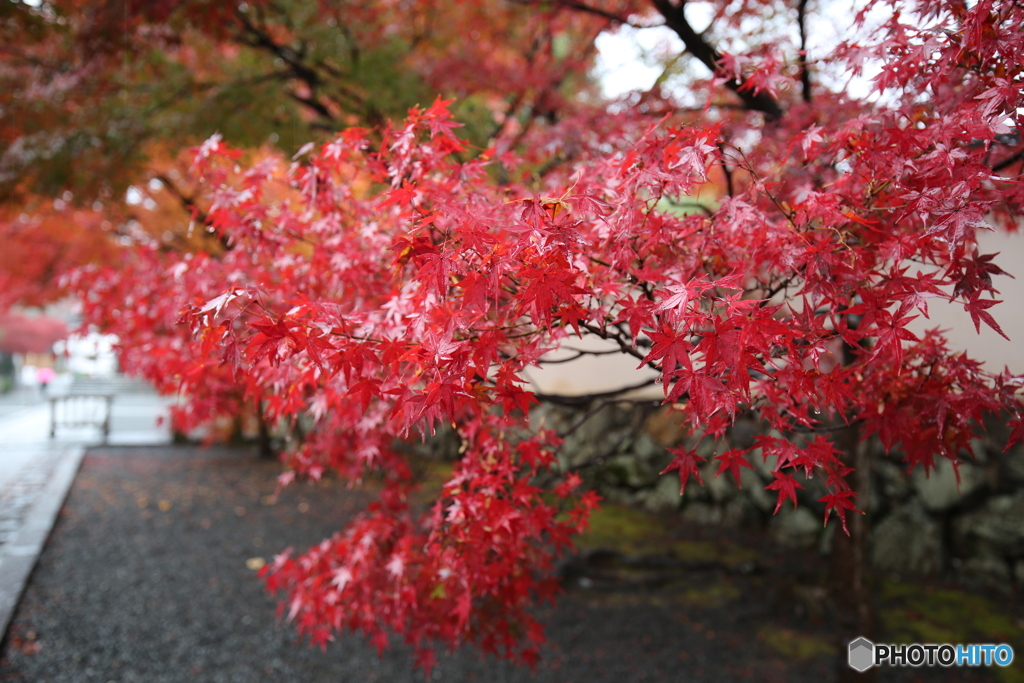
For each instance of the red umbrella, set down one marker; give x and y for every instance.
(27, 334)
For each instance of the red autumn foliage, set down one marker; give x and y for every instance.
(30, 334)
(397, 277)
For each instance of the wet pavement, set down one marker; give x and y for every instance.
(37, 470)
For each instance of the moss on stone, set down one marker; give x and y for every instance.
(621, 528)
(711, 596)
(631, 531)
(794, 645)
(913, 613)
(723, 551)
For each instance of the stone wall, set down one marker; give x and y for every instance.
(920, 525)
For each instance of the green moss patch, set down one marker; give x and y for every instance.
(712, 595)
(631, 531)
(912, 613)
(709, 597)
(794, 645)
(723, 551)
(617, 527)
(926, 614)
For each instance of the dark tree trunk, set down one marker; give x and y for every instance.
(266, 447)
(850, 593)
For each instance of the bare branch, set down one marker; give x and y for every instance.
(601, 405)
(1009, 161)
(613, 450)
(258, 37)
(675, 19)
(825, 428)
(729, 185)
(314, 104)
(583, 399)
(189, 204)
(805, 72)
(604, 14)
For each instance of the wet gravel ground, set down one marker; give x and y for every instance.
(148, 576)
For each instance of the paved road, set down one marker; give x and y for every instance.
(36, 471)
(19, 399)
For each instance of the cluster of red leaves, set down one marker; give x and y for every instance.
(392, 281)
(42, 242)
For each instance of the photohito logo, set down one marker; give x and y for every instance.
(864, 654)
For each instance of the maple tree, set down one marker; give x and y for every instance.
(760, 238)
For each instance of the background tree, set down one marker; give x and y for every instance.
(759, 236)
(103, 100)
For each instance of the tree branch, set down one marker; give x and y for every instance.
(579, 353)
(729, 185)
(258, 37)
(188, 203)
(675, 19)
(314, 104)
(604, 14)
(601, 405)
(805, 72)
(583, 399)
(1009, 161)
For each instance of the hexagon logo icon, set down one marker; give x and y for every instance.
(862, 654)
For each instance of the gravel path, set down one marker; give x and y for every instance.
(147, 577)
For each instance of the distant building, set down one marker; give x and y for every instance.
(89, 355)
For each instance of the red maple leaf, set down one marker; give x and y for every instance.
(685, 461)
(840, 502)
(733, 460)
(786, 486)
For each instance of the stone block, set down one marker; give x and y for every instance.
(798, 528)
(702, 513)
(908, 540)
(938, 490)
(892, 479)
(664, 495)
(998, 524)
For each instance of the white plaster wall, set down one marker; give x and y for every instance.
(589, 374)
(987, 345)
(592, 374)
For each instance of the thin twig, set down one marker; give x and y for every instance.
(583, 399)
